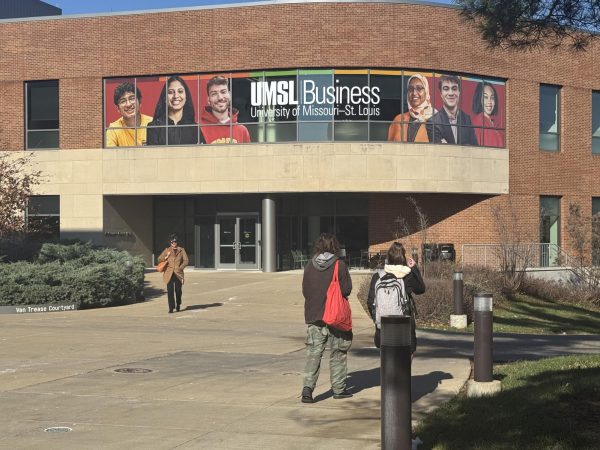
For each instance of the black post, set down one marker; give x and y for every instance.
(483, 318)
(458, 293)
(396, 418)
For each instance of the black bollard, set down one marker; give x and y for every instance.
(483, 318)
(396, 415)
(458, 293)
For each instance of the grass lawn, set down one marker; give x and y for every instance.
(547, 404)
(528, 315)
(531, 315)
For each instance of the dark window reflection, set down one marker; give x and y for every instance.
(353, 97)
(42, 114)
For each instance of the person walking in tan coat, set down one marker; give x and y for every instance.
(177, 259)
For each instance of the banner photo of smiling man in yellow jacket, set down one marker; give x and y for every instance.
(124, 132)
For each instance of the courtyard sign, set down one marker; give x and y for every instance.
(32, 309)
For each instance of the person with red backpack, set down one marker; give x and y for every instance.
(318, 275)
(391, 289)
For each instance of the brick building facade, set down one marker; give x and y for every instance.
(111, 195)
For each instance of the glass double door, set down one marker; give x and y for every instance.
(238, 242)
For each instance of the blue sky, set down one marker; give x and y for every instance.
(98, 6)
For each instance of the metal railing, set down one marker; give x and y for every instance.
(522, 255)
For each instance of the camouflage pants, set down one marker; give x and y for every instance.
(316, 340)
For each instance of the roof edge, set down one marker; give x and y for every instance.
(220, 6)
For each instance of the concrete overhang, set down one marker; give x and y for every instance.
(273, 168)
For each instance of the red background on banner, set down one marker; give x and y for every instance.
(150, 88)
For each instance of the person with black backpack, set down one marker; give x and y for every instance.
(391, 289)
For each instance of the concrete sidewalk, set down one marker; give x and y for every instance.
(224, 373)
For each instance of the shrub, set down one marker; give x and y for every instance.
(435, 306)
(18, 248)
(50, 252)
(77, 273)
(556, 291)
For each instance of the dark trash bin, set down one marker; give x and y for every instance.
(447, 252)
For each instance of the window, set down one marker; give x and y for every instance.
(303, 105)
(41, 105)
(549, 231)
(549, 117)
(43, 216)
(596, 122)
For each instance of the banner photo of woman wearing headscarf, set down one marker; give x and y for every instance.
(305, 105)
(410, 126)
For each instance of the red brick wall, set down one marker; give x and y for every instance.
(453, 218)
(12, 128)
(80, 128)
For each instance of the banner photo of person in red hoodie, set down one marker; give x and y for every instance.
(305, 105)
(218, 119)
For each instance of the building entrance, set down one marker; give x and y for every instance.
(238, 241)
(226, 232)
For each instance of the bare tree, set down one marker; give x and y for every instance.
(515, 255)
(525, 24)
(422, 219)
(576, 227)
(17, 181)
(400, 228)
(422, 227)
(596, 239)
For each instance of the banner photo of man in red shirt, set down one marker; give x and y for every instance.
(218, 118)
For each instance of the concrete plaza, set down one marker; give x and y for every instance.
(225, 373)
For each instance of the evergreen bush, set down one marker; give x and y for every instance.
(76, 273)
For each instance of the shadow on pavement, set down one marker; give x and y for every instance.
(324, 396)
(206, 306)
(366, 379)
(363, 379)
(152, 293)
(426, 384)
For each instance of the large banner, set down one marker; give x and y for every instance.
(303, 106)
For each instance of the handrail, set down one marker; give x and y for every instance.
(535, 254)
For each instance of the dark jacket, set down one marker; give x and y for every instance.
(185, 132)
(439, 127)
(318, 274)
(413, 282)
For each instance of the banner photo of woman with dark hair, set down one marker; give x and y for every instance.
(175, 116)
(486, 115)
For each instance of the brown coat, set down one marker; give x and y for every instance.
(176, 263)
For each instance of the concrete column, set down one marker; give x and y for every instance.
(81, 217)
(269, 235)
